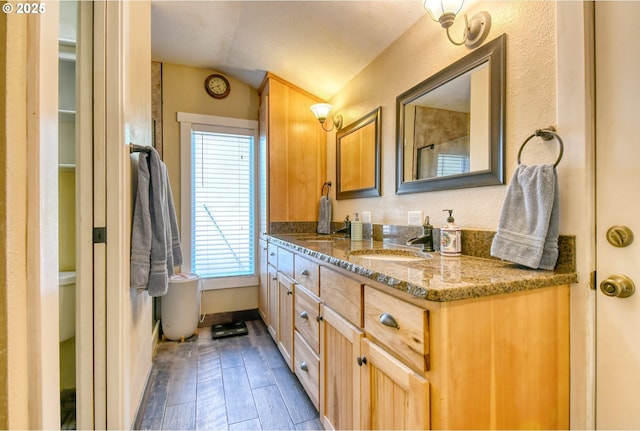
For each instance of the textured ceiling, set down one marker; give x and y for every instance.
(317, 45)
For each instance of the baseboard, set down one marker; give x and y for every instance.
(228, 317)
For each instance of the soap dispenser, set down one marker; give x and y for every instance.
(450, 238)
(356, 229)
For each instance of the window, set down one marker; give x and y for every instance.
(218, 199)
(452, 164)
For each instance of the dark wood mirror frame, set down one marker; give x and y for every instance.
(494, 53)
(373, 169)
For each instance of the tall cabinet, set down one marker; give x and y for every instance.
(295, 147)
(293, 166)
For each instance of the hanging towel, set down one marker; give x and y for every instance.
(324, 215)
(529, 223)
(155, 239)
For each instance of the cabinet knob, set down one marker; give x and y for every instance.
(388, 320)
(272, 254)
(361, 360)
(303, 366)
(319, 318)
(304, 272)
(304, 315)
(289, 292)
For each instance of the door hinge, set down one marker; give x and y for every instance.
(592, 280)
(99, 235)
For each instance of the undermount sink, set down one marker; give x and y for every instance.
(392, 255)
(317, 239)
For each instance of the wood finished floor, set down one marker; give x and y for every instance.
(236, 383)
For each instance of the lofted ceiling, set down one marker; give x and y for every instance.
(317, 45)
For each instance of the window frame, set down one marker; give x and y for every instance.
(228, 125)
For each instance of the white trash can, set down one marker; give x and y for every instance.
(180, 307)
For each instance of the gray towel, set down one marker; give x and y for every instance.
(155, 239)
(529, 223)
(324, 215)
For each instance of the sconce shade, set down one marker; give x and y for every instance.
(321, 111)
(443, 11)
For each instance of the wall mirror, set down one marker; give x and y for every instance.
(450, 127)
(358, 158)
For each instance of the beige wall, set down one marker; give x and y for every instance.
(13, 179)
(28, 236)
(423, 50)
(546, 85)
(183, 91)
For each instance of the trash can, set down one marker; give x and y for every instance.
(180, 307)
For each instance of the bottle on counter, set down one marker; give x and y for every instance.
(450, 237)
(356, 229)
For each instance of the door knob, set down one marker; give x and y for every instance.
(619, 236)
(618, 285)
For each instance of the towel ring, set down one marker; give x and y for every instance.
(547, 135)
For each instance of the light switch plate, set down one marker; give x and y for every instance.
(366, 216)
(414, 218)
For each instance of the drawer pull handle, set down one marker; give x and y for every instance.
(304, 315)
(304, 272)
(303, 366)
(319, 318)
(388, 320)
(362, 360)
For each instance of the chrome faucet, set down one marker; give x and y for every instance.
(346, 229)
(427, 237)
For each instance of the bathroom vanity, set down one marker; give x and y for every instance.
(386, 337)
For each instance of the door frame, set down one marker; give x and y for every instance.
(575, 123)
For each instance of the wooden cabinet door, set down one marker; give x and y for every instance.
(263, 292)
(285, 318)
(339, 373)
(272, 323)
(393, 396)
(297, 154)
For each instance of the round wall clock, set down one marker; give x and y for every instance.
(217, 86)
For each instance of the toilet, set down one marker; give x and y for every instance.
(67, 304)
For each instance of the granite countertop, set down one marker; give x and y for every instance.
(434, 278)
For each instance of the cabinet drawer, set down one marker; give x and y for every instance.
(307, 368)
(272, 254)
(307, 273)
(410, 339)
(306, 312)
(343, 294)
(285, 262)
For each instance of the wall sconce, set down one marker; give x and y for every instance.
(321, 112)
(445, 11)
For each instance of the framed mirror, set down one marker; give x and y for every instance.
(358, 158)
(450, 127)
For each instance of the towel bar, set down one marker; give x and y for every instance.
(547, 135)
(133, 148)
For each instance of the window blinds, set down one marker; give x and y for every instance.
(222, 204)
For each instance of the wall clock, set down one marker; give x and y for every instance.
(217, 86)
